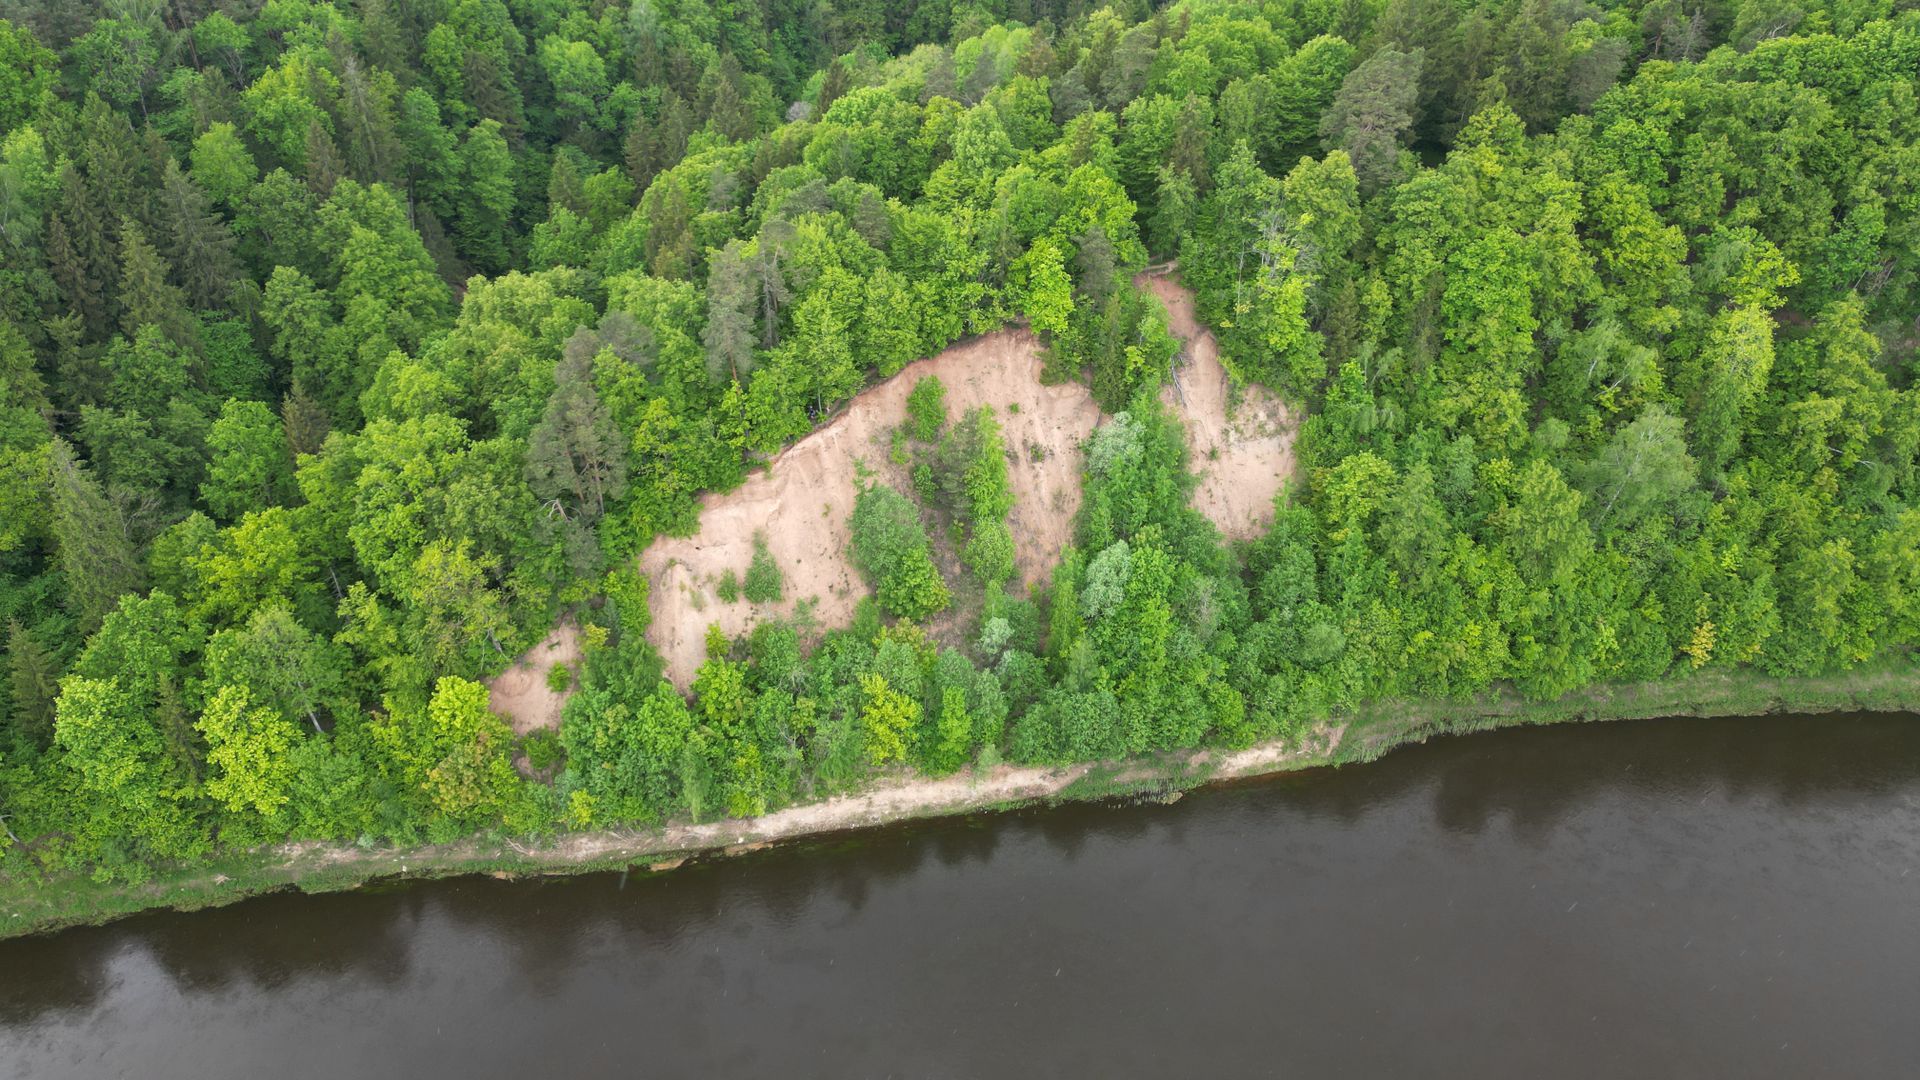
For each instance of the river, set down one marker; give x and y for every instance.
(1728, 897)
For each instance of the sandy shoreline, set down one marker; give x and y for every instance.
(905, 797)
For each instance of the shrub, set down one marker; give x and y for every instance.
(890, 546)
(764, 584)
(559, 678)
(927, 409)
(729, 588)
(543, 748)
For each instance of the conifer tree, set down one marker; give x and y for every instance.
(576, 453)
(324, 167)
(305, 420)
(85, 256)
(730, 296)
(97, 556)
(147, 295)
(199, 243)
(33, 679)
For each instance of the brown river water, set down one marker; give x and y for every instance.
(1671, 898)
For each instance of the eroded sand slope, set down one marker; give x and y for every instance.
(802, 500)
(1242, 451)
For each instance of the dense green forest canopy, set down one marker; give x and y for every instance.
(345, 346)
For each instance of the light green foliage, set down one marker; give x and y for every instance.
(1046, 293)
(965, 474)
(251, 468)
(222, 165)
(456, 753)
(27, 73)
(888, 717)
(927, 408)
(763, 583)
(250, 752)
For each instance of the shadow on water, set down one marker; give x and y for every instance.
(1532, 779)
(261, 944)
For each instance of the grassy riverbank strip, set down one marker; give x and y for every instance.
(35, 905)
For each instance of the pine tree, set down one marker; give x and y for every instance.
(97, 557)
(576, 449)
(149, 298)
(199, 243)
(33, 677)
(728, 336)
(1373, 111)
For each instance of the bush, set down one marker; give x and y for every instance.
(890, 546)
(927, 409)
(729, 588)
(543, 748)
(764, 584)
(559, 678)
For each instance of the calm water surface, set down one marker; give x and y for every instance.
(1687, 898)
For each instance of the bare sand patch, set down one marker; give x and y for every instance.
(802, 500)
(520, 693)
(1242, 450)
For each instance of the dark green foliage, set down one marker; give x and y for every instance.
(373, 338)
(93, 537)
(1373, 112)
(891, 548)
(543, 750)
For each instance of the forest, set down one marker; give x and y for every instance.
(345, 347)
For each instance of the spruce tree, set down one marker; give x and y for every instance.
(93, 259)
(306, 421)
(149, 298)
(97, 556)
(324, 167)
(564, 186)
(116, 164)
(199, 243)
(33, 676)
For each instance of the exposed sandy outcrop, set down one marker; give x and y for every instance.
(1242, 450)
(520, 693)
(802, 500)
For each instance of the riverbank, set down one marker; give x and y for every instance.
(33, 906)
